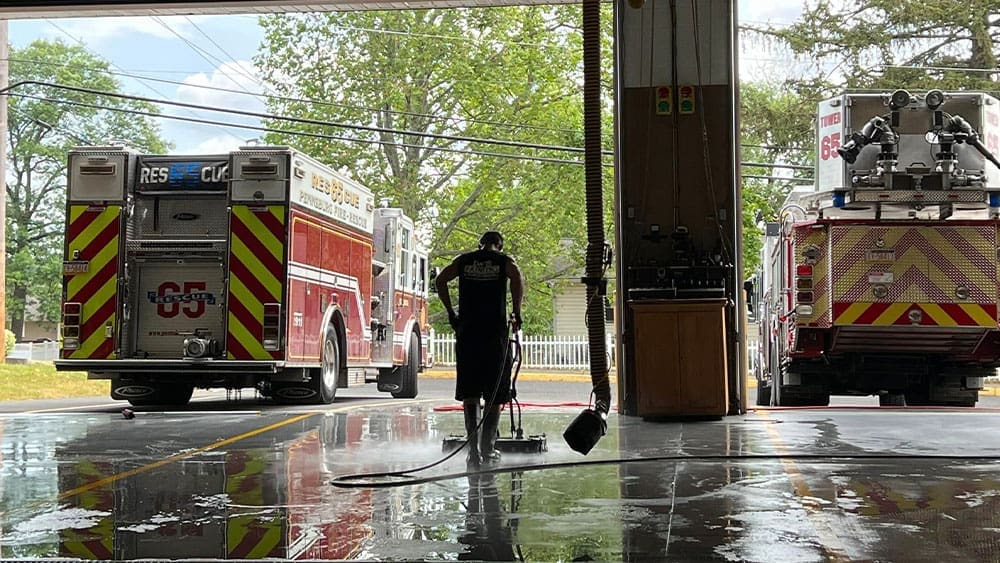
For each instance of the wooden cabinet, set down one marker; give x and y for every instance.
(680, 357)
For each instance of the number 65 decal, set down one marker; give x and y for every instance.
(170, 300)
(828, 146)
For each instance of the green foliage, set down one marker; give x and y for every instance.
(41, 133)
(888, 44)
(776, 128)
(9, 341)
(874, 44)
(511, 74)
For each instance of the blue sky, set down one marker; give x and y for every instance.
(146, 47)
(143, 45)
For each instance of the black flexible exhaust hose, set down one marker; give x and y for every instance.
(595, 203)
(584, 432)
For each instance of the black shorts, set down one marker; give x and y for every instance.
(484, 360)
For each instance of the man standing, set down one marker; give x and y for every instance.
(482, 346)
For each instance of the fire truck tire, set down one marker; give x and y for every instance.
(789, 399)
(408, 379)
(324, 380)
(763, 395)
(891, 400)
(173, 396)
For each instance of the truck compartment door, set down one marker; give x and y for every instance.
(177, 299)
(91, 270)
(256, 278)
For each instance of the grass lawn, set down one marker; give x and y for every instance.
(40, 380)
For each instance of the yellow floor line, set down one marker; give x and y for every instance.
(224, 442)
(829, 541)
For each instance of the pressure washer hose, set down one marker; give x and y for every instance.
(358, 479)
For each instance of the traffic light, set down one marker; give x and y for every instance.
(664, 100)
(686, 105)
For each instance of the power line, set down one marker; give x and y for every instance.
(221, 48)
(64, 130)
(779, 179)
(773, 165)
(205, 56)
(305, 121)
(308, 100)
(777, 147)
(456, 38)
(946, 68)
(296, 133)
(83, 44)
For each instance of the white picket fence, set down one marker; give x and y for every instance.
(34, 352)
(540, 351)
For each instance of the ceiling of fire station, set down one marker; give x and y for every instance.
(15, 9)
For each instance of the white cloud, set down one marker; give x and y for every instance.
(219, 144)
(776, 11)
(96, 30)
(233, 75)
(235, 78)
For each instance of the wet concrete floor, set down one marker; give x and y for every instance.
(255, 485)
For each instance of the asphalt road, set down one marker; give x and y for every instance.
(443, 389)
(218, 401)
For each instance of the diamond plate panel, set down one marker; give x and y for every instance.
(865, 256)
(181, 218)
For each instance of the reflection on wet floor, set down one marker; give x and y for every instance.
(94, 487)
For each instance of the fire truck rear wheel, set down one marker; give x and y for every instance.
(408, 379)
(173, 396)
(325, 381)
(763, 395)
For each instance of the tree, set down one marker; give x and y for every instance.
(872, 44)
(41, 132)
(890, 44)
(426, 83)
(775, 128)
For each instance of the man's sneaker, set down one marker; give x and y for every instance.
(473, 460)
(491, 458)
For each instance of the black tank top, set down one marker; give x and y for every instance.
(482, 289)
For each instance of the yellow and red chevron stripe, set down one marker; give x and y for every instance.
(930, 314)
(94, 231)
(96, 541)
(925, 264)
(813, 239)
(256, 276)
(250, 536)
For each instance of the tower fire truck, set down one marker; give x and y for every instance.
(261, 268)
(883, 279)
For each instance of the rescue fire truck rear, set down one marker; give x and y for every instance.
(261, 268)
(883, 280)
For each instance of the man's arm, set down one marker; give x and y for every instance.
(516, 291)
(449, 273)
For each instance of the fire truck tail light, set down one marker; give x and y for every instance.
(804, 310)
(804, 283)
(804, 297)
(272, 323)
(71, 325)
(804, 270)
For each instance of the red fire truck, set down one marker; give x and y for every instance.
(883, 280)
(261, 268)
